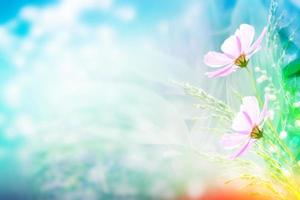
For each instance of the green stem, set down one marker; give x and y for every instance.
(253, 83)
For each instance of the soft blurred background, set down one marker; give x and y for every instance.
(90, 107)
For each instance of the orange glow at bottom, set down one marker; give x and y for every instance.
(221, 194)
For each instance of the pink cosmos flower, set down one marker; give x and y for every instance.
(237, 50)
(247, 126)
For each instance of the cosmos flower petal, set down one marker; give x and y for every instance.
(257, 44)
(250, 106)
(231, 46)
(246, 124)
(242, 132)
(239, 44)
(241, 124)
(237, 49)
(244, 148)
(222, 72)
(216, 59)
(233, 140)
(246, 34)
(253, 52)
(248, 118)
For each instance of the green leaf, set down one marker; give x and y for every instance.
(292, 69)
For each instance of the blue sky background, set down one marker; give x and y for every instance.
(9, 9)
(87, 91)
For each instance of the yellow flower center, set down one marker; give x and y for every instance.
(256, 133)
(241, 61)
